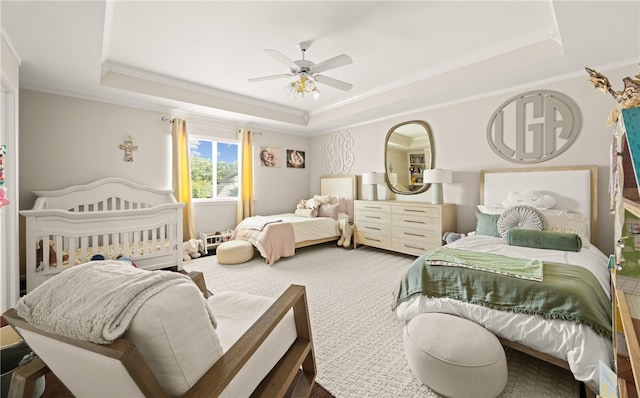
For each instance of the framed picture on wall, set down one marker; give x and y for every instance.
(295, 159)
(269, 156)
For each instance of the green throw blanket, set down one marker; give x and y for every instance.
(567, 292)
(516, 267)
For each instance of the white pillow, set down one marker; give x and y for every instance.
(522, 217)
(491, 210)
(568, 222)
(306, 213)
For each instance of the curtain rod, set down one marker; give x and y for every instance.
(166, 119)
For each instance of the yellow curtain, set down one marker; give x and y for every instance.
(182, 176)
(245, 187)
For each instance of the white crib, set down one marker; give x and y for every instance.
(112, 217)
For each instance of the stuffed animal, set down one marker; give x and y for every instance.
(529, 198)
(127, 260)
(346, 233)
(308, 204)
(191, 249)
(53, 256)
(450, 237)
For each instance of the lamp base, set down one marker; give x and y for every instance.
(436, 193)
(373, 192)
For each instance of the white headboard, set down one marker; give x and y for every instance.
(574, 188)
(341, 185)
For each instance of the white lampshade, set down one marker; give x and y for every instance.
(373, 179)
(436, 177)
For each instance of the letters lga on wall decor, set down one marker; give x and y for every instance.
(534, 126)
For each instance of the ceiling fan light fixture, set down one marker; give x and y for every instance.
(298, 88)
(307, 73)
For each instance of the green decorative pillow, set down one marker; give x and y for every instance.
(544, 239)
(487, 224)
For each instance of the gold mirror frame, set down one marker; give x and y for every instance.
(408, 151)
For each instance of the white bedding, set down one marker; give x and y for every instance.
(577, 344)
(304, 228)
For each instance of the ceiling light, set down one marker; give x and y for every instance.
(298, 88)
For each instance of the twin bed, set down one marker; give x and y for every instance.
(278, 235)
(575, 338)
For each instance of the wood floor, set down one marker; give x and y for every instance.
(55, 389)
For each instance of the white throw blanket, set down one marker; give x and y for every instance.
(257, 222)
(95, 301)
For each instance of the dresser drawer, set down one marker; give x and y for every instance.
(412, 247)
(369, 239)
(416, 211)
(373, 228)
(417, 235)
(368, 216)
(411, 221)
(368, 206)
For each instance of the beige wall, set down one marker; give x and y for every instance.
(460, 144)
(68, 141)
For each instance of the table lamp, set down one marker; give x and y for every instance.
(436, 177)
(373, 179)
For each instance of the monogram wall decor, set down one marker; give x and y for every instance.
(338, 153)
(534, 126)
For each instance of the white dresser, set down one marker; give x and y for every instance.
(406, 227)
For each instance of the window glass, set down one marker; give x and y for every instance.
(214, 168)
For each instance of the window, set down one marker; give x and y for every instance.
(214, 173)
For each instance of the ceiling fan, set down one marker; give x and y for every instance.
(308, 73)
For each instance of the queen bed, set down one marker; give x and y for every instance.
(573, 337)
(277, 236)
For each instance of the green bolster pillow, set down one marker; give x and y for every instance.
(544, 240)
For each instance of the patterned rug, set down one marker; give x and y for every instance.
(357, 337)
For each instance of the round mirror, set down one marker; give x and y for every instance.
(407, 153)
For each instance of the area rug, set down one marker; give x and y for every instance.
(356, 335)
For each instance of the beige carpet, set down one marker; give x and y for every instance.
(357, 338)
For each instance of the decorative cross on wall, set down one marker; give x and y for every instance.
(128, 148)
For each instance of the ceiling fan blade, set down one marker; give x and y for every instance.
(264, 78)
(335, 83)
(331, 63)
(282, 58)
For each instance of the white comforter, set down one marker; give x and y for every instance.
(304, 228)
(577, 344)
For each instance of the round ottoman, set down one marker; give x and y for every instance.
(234, 252)
(455, 357)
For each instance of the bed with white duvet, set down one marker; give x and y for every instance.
(574, 343)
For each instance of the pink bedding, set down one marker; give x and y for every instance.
(274, 241)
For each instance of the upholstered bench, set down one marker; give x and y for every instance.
(455, 357)
(234, 252)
